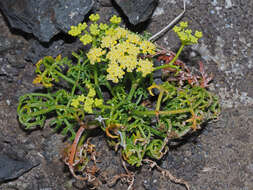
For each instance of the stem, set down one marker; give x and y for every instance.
(154, 131)
(172, 61)
(107, 84)
(76, 83)
(158, 104)
(169, 112)
(39, 94)
(133, 87)
(96, 83)
(48, 110)
(69, 80)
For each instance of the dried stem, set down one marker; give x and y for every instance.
(167, 173)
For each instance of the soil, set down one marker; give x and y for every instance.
(218, 157)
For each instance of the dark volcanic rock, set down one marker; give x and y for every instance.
(12, 167)
(137, 11)
(46, 18)
(37, 50)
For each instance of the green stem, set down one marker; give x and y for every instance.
(133, 87)
(99, 92)
(39, 94)
(51, 108)
(69, 80)
(106, 107)
(154, 131)
(172, 61)
(158, 104)
(76, 83)
(153, 113)
(107, 84)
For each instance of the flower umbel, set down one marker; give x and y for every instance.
(94, 55)
(94, 17)
(185, 35)
(115, 19)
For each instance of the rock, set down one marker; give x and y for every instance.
(38, 50)
(14, 158)
(137, 11)
(7, 70)
(5, 44)
(12, 167)
(105, 3)
(44, 19)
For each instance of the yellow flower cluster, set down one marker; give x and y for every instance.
(94, 17)
(115, 19)
(87, 102)
(103, 26)
(145, 66)
(86, 39)
(76, 30)
(45, 76)
(94, 30)
(185, 35)
(94, 55)
(117, 46)
(123, 49)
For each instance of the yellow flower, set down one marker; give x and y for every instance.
(183, 37)
(94, 17)
(88, 105)
(94, 30)
(47, 84)
(176, 29)
(188, 31)
(98, 102)
(128, 62)
(121, 33)
(75, 103)
(148, 47)
(193, 39)
(58, 58)
(94, 55)
(114, 73)
(86, 39)
(108, 42)
(103, 26)
(198, 34)
(183, 24)
(115, 19)
(110, 32)
(38, 63)
(82, 26)
(81, 98)
(133, 38)
(145, 66)
(91, 93)
(74, 31)
(37, 80)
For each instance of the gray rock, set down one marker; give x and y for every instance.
(38, 50)
(44, 19)
(5, 44)
(137, 11)
(14, 158)
(12, 167)
(7, 70)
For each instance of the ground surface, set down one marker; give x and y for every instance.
(219, 157)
